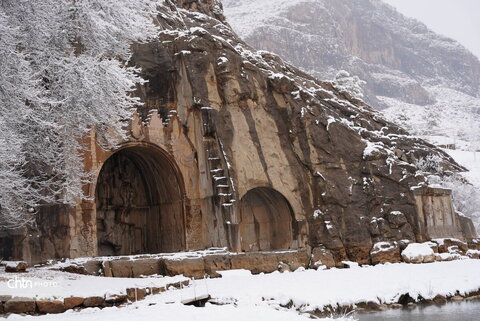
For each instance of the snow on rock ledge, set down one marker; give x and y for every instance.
(418, 253)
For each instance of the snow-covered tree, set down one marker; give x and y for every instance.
(351, 84)
(64, 72)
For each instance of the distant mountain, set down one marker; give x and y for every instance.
(428, 83)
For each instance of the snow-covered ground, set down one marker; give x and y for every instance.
(451, 119)
(47, 284)
(261, 297)
(471, 161)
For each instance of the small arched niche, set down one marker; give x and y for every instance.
(139, 203)
(266, 220)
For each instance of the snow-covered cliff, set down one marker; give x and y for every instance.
(409, 70)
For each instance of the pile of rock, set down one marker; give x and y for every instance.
(447, 249)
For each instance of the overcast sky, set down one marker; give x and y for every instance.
(457, 19)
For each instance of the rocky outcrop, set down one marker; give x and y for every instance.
(394, 54)
(421, 80)
(243, 151)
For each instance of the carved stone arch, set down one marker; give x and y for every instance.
(266, 221)
(139, 201)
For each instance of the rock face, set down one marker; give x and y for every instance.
(243, 151)
(408, 69)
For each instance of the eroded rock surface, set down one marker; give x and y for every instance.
(222, 122)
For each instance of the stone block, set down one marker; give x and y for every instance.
(121, 268)
(146, 267)
(294, 259)
(50, 306)
(20, 305)
(189, 267)
(72, 302)
(15, 267)
(257, 262)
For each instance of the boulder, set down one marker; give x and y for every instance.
(474, 244)
(439, 299)
(446, 257)
(283, 267)
(20, 305)
(94, 301)
(15, 266)
(372, 306)
(445, 244)
(72, 302)
(473, 254)
(50, 306)
(418, 253)
(383, 252)
(321, 256)
(190, 267)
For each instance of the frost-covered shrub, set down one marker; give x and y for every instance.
(431, 164)
(351, 84)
